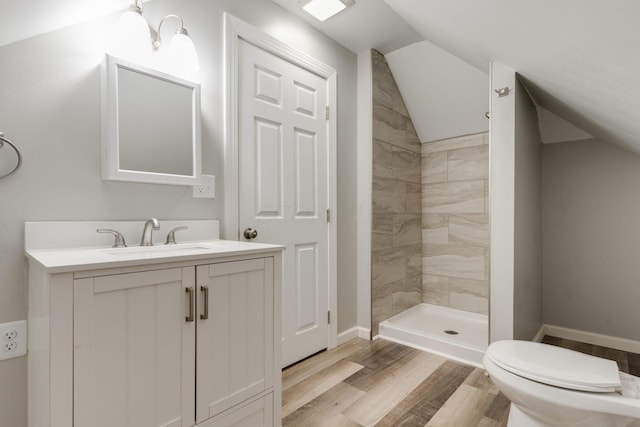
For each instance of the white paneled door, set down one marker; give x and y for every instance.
(283, 186)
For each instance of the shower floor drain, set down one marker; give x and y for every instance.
(451, 332)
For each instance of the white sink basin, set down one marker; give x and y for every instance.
(159, 249)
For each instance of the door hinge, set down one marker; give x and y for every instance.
(328, 215)
(328, 317)
(326, 115)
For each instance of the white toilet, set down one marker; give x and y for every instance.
(554, 387)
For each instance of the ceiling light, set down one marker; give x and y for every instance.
(325, 9)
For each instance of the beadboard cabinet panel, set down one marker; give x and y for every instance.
(235, 344)
(134, 357)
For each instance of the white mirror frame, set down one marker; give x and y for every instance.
(110, 129)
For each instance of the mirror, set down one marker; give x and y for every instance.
(151, 125)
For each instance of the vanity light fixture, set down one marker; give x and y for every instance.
(324, 9)
(132, 35)
(181, 49)
(134, 39)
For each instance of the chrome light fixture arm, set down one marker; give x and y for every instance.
(157, 40)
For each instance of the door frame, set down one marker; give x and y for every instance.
(234, 30)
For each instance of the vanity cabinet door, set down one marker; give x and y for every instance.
(134, 350)
(235, 335)
(258, 413)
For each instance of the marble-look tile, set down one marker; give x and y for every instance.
(435, 229)
(468, 163)
(406, 165)
(435, 289)
(389, 126)
(453, 143)
(398, 104)
(469, 229)
(389, 195)
(454, 197)
(381, 231)
(382, 159)
(381, 95)
(388, 266)
(381, 294)
(381, 304)
(479, 288)
(407, 229)
(381, 73)
(402, 301)
(487, 201)
(469, 302)
(412, 141)
(413, 198)
(434, 167)
(453, 261)
(435, 236)
(406, 293)
(412, 283)
(414, 259)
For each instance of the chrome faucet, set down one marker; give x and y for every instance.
(147, 233)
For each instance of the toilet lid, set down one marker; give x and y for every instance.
(556, 366)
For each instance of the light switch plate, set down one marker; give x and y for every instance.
(207, 188)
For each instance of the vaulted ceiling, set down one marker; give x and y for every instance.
(579, 59)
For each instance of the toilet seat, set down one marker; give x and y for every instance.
(556, 366)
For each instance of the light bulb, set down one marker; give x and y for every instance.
(182, 53)
(132, 38)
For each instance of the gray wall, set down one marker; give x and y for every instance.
(527, 297)
(591, 234)
(515, 186)
(50, 90)
(396, 242)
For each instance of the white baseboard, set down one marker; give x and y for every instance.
(618, 343)
(541, 333)
(351, 333)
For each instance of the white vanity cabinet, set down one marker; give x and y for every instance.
(179, 343)
(134, 350)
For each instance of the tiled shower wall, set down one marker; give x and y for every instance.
(455, 223)
(396, 263)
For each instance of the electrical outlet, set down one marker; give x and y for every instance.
(13, 339)
(10, 346)
(10, 335)
(206, 189)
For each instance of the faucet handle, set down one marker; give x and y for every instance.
(171, 235)
(119, 243)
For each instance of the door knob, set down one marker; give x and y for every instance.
(250, 233)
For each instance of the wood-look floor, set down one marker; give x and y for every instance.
(380, 383)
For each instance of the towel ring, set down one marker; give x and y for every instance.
(4, 140)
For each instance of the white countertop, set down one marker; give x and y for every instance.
(91, 258)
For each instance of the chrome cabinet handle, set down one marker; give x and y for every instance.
(250, 233)
(119, 242)
(190, 293)
(205, 295)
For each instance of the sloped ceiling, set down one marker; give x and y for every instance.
(27, 18)
(365, 25)
(445, 96)
(580, 59)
